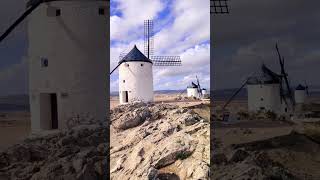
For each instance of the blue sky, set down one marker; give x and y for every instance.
(181, 28)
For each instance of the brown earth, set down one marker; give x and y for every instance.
(14, 127)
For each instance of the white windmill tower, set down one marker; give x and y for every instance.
(135, 69)
(67, 60)
(300, 94)
(193, 90)
(268, 91)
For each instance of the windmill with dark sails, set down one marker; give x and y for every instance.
(135, 69)
(268, 91)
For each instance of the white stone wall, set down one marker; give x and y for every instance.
(204, 92)
(75, 45)
(192, 92)
(265, 96)
(137, 79)
(300, 96)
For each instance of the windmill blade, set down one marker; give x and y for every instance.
(234, 95)
(306, 86)
(20, 19)
(184, 90)
(285, 76)
(219, 7)
(282, 95)
(148, 38)
(242, 86)
(115, 68)
(279, 56)
(199, 87)
(166, 60)
(287, 83)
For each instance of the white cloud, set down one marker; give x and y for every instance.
(134, 12)
(183, 34)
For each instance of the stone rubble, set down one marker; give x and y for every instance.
(76, 153)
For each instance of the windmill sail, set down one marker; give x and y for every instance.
(199, 87)
(166, 60)
(219, 7)
(307, 87)
(31, 8)
(286, 81)
(148, 38)
(149, 48)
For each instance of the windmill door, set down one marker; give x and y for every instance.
(125, 98)
(48, 111)
(54, 111)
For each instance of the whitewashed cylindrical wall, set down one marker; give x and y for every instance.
(192, 92)
(204, 91)
(136, 78)
(300, 96)
(72, 37)
(264, 97)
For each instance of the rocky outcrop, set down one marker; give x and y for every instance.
(77, 153)
(147, 142)
(158, 142)
(292, 156)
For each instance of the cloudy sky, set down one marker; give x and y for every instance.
(13, 50)
(246, 38)
(181, 28)
(242, 40)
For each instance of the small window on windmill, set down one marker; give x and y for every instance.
(101, 11)
(124, 81)
(58, 12)
(261, 99)
(64, 95)
(53, 12)
(44, 62)
(127, 64)
(141, 64)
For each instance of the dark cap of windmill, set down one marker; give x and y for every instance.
(193, 85)
(267, 76)
(300, 87)
(135, 55)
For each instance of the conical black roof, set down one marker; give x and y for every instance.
(300, 87)
(135, 55)
(267, 76)
(193, 85)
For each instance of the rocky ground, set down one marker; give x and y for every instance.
(161, 141)
(76, 153)
(286, 157)
(158, 142)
